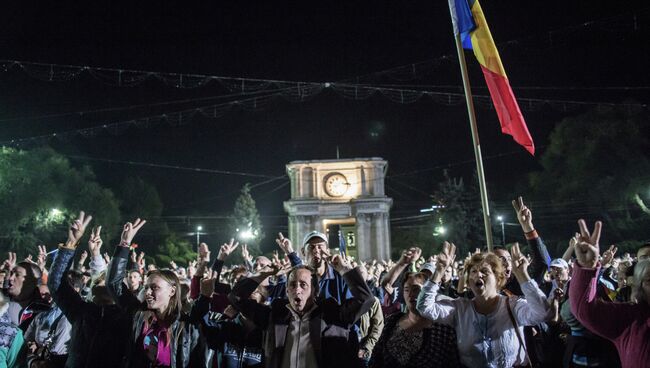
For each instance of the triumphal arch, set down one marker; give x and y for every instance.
(342, 199)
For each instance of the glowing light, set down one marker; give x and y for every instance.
(199, 228)
(246, 235)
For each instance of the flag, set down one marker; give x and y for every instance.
(469, 22)
(343, 248)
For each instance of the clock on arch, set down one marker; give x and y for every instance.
(336, 184)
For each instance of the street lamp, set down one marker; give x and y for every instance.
(503, 232)
(198, 235)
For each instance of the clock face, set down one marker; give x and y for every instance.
(336, 185)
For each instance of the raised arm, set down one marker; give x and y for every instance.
(117, 268)
(97, 262)
(532, 309)
(63, 294)
(541, 258)
(426, 303)
(408, 257)
(352, 309)
(240, 298)
(607, 319)
(287, 247)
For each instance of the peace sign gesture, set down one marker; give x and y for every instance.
(586, 248)
(130, 229)
(524, 215)
(76, 229)
(520, 264)
(226, 249)
(95, 242)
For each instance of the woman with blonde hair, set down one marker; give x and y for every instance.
(490, 325)
(162, 336)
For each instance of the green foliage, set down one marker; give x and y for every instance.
(174, 248)
(140, 199)
(461, 217)
(32, 184)
(596, 166)
(246, 218)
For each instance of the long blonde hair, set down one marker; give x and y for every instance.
(173, 311)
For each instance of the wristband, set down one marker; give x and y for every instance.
(125, 244)
(531, 235)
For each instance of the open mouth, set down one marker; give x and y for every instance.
(480, 284)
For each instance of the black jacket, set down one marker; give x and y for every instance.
(236, 346)
(187, 351)
(95, 328)
(335, 343)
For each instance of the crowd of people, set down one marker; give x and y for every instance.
(308, 307)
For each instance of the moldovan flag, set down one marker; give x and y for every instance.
(470, 24)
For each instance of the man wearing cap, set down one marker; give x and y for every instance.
(315, 249)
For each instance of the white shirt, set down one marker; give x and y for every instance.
(487, 340)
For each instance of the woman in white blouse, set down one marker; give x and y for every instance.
(487, 334)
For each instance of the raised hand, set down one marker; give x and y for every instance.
(82, 258)
(203, 260)
(204, 253)
(284, 244)
(586, 248)
(107, 257)
(207, 286)
(608, 255)
(130, 229)
(10, 262)
(524, 215)
(77, 228)
(41, 260)
(446, 257)
(410, 255)
(140, 261)
(226, 249)
(173, 265)
(95, 242)
(340, 263)
(191, 268)
(519, 264)
(134, 257)
(245, 254)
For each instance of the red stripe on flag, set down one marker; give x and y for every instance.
(512, 122)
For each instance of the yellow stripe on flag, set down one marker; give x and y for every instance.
(484, 48)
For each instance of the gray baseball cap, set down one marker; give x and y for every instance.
(314, 234)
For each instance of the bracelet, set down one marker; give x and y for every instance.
(125, 244)
(531, 235)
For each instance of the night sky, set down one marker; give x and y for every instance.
(554, 51)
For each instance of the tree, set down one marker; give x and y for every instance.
(40, 192)
(174, 248)
(460, 219)
(596, 166)
(245, 220)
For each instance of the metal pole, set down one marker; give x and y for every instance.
(503, 234)
(198, 239)
(477, 145)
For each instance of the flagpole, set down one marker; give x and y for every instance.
(477, 145)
